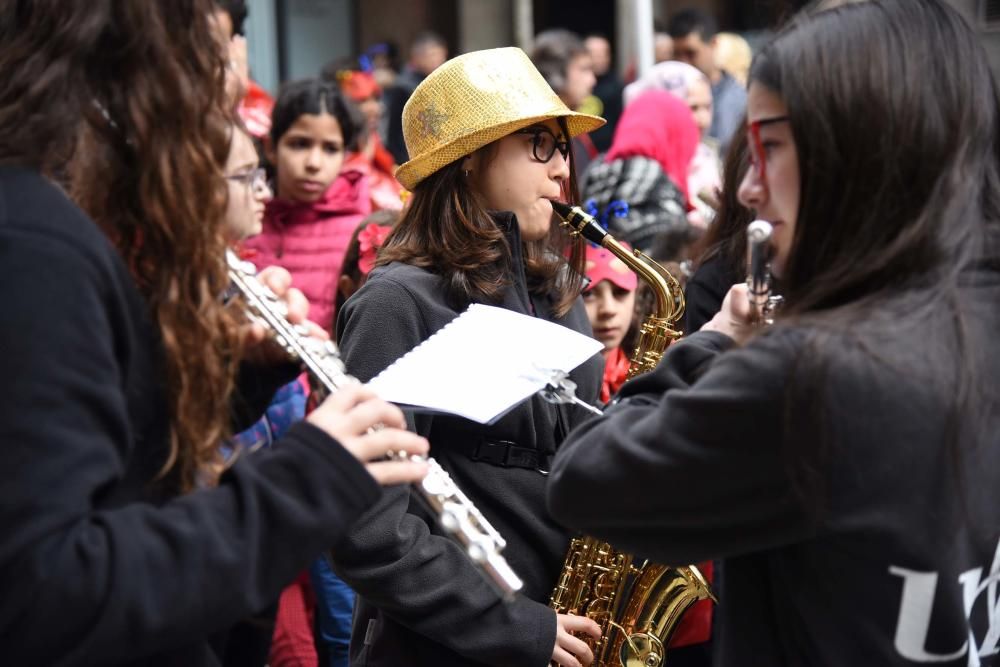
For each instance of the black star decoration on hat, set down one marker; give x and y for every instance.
(431, 119)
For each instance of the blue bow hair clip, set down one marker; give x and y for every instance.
(616, 208)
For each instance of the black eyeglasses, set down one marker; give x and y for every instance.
(544, 143)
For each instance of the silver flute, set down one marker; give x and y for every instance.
(759, 254)
(456, 513)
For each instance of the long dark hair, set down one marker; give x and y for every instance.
(727, 237)
(127, 99)
(905, 170)
(900, 195)
(447, 229)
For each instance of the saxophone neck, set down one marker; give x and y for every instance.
(668, 292)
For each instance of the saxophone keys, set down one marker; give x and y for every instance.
(641, 650)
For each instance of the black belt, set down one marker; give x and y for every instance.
(507, 454)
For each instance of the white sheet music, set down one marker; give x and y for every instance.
(482, 363)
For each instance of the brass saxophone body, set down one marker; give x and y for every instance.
(461, 519)
(637, 605)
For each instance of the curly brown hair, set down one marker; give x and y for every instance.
(125, 100)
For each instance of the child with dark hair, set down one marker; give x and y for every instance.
(610, 302)
(722, 264)
(479, 228)
(317, 205)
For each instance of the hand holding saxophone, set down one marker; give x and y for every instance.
(570, 651)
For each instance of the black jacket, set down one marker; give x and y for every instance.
(421, 600)
(862, 561)
(99, 565)
(705, 291)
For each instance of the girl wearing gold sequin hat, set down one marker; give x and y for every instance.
(489, 141)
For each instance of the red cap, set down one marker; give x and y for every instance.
(359, 86)
(603, 265)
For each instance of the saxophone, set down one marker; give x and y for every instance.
(456, 513)
(637, 606)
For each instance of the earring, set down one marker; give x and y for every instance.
(467, 172)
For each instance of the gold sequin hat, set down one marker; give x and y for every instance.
(473, 100)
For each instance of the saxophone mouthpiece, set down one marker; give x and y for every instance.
(580, 222)
(562, 208)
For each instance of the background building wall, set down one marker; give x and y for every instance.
(295, 38)
(314, 33)
(485, 24)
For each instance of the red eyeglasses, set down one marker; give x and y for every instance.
(757, 157)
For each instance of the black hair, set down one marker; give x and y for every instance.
(899, 167)
(727, 237)
(552, 53)
(687, 21)
(315, 96)
(908, 189)
(237, 10)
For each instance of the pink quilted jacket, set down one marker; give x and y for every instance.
(310, 240)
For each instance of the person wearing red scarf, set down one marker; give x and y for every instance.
(610, 302)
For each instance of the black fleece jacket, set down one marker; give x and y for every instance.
(854, 528)
(99, 565)
(421, 600)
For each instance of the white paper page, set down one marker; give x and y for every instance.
(482, 363)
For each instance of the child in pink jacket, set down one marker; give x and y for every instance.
(317, 206)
